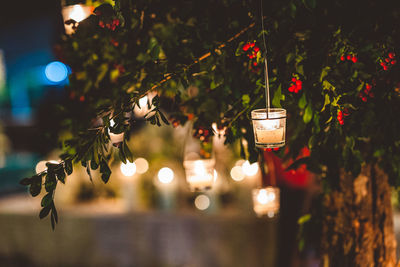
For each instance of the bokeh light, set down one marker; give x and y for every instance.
(165, 175)
(202, 202)
(143, 102)
(128, 169)
(237, 173)
(141, 165)
(41, 165)
(250, 169)
(77, 13)
(56, 71)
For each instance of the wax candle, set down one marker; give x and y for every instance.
(269, 129)
(200, 174)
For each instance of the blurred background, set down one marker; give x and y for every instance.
(146, 215)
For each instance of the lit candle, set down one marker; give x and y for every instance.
(269, 132)
(129, 186)
(200, 174)
(266, 201)
(166, 186)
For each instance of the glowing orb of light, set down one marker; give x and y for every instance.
(165, 175)
(202, 202)
(56, 71)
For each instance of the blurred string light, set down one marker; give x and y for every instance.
(128, 169)
(250, 169)
(56, 72)
(141, 165)
(165, 175)
(202, 202)
(237, 173)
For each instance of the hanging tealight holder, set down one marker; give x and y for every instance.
(269, 127)
(266, 201)
(199, 161)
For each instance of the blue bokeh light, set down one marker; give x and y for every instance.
(56, 71)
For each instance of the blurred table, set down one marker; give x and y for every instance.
(103, 235)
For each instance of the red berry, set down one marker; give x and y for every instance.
(294, 79)
(393, 62)
(101, 24)
(299, 83)
(82, 98)
(256, 49)
(349, 57)
(296, 90)
(391, 55)
(346, 112)
(255, 63)
(368, 86)
(276, 148)
(268, 149)
(387, 60)
(364, 99)
(382, 64)
(291, 88)
(342, 58)
(252, 45)
(246, 47)
(385, 68)
(354, 59)
(341, 122)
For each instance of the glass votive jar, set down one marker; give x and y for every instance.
(77, 13)
(266, 201)
(200, 174)
(269, 129)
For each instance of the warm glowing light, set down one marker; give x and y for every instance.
(165, 175)
(115, 138)
(200, 174)
(215, 175)
(202, 202)
(141, 165)
(41, 165)
(143, 102)
(128, 169)
(56, 71)
(237, 173)
(77, 13)
(250, 169)
(266, 201)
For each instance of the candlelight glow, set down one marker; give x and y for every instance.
(237, 173)
(143, 102)
(165, 175)
(141, 165)
(250, 169)
(266, 201)
(41, 165)
(128, 169)
(77, 13)
(202, 202)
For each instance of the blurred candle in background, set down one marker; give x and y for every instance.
(129, 186)
(167, 186)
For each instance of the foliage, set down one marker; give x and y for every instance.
(332, 66)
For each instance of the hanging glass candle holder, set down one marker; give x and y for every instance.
(199, 161)
(269, 127)
(266, 201)
(76, 12)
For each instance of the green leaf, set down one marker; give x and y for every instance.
(302, 101)
(44, 212)
(61, 175)
(276, 100)
(324, 72)
(105, 171)
(54, 212)
(164, 119)
(289, 57)
(326, 102)
(36, 185)
(328, 86)
(303, 219)
(93, 165)
(50, 181)
(68, 167)
(47, 199)
(245, 100)
(308, 114)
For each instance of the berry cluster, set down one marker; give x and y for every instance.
(341, 115)
(251, 50)
(366, 93)
(390, 60)
(296, 85)
(202, 133)
(349, 57)
(112, 26)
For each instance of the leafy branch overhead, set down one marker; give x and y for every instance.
(338, 80)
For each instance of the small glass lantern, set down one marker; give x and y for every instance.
(269, 128)
(266, 201)
(200, 174)
(198, 160)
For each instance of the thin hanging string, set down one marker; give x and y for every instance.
(266, 80)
